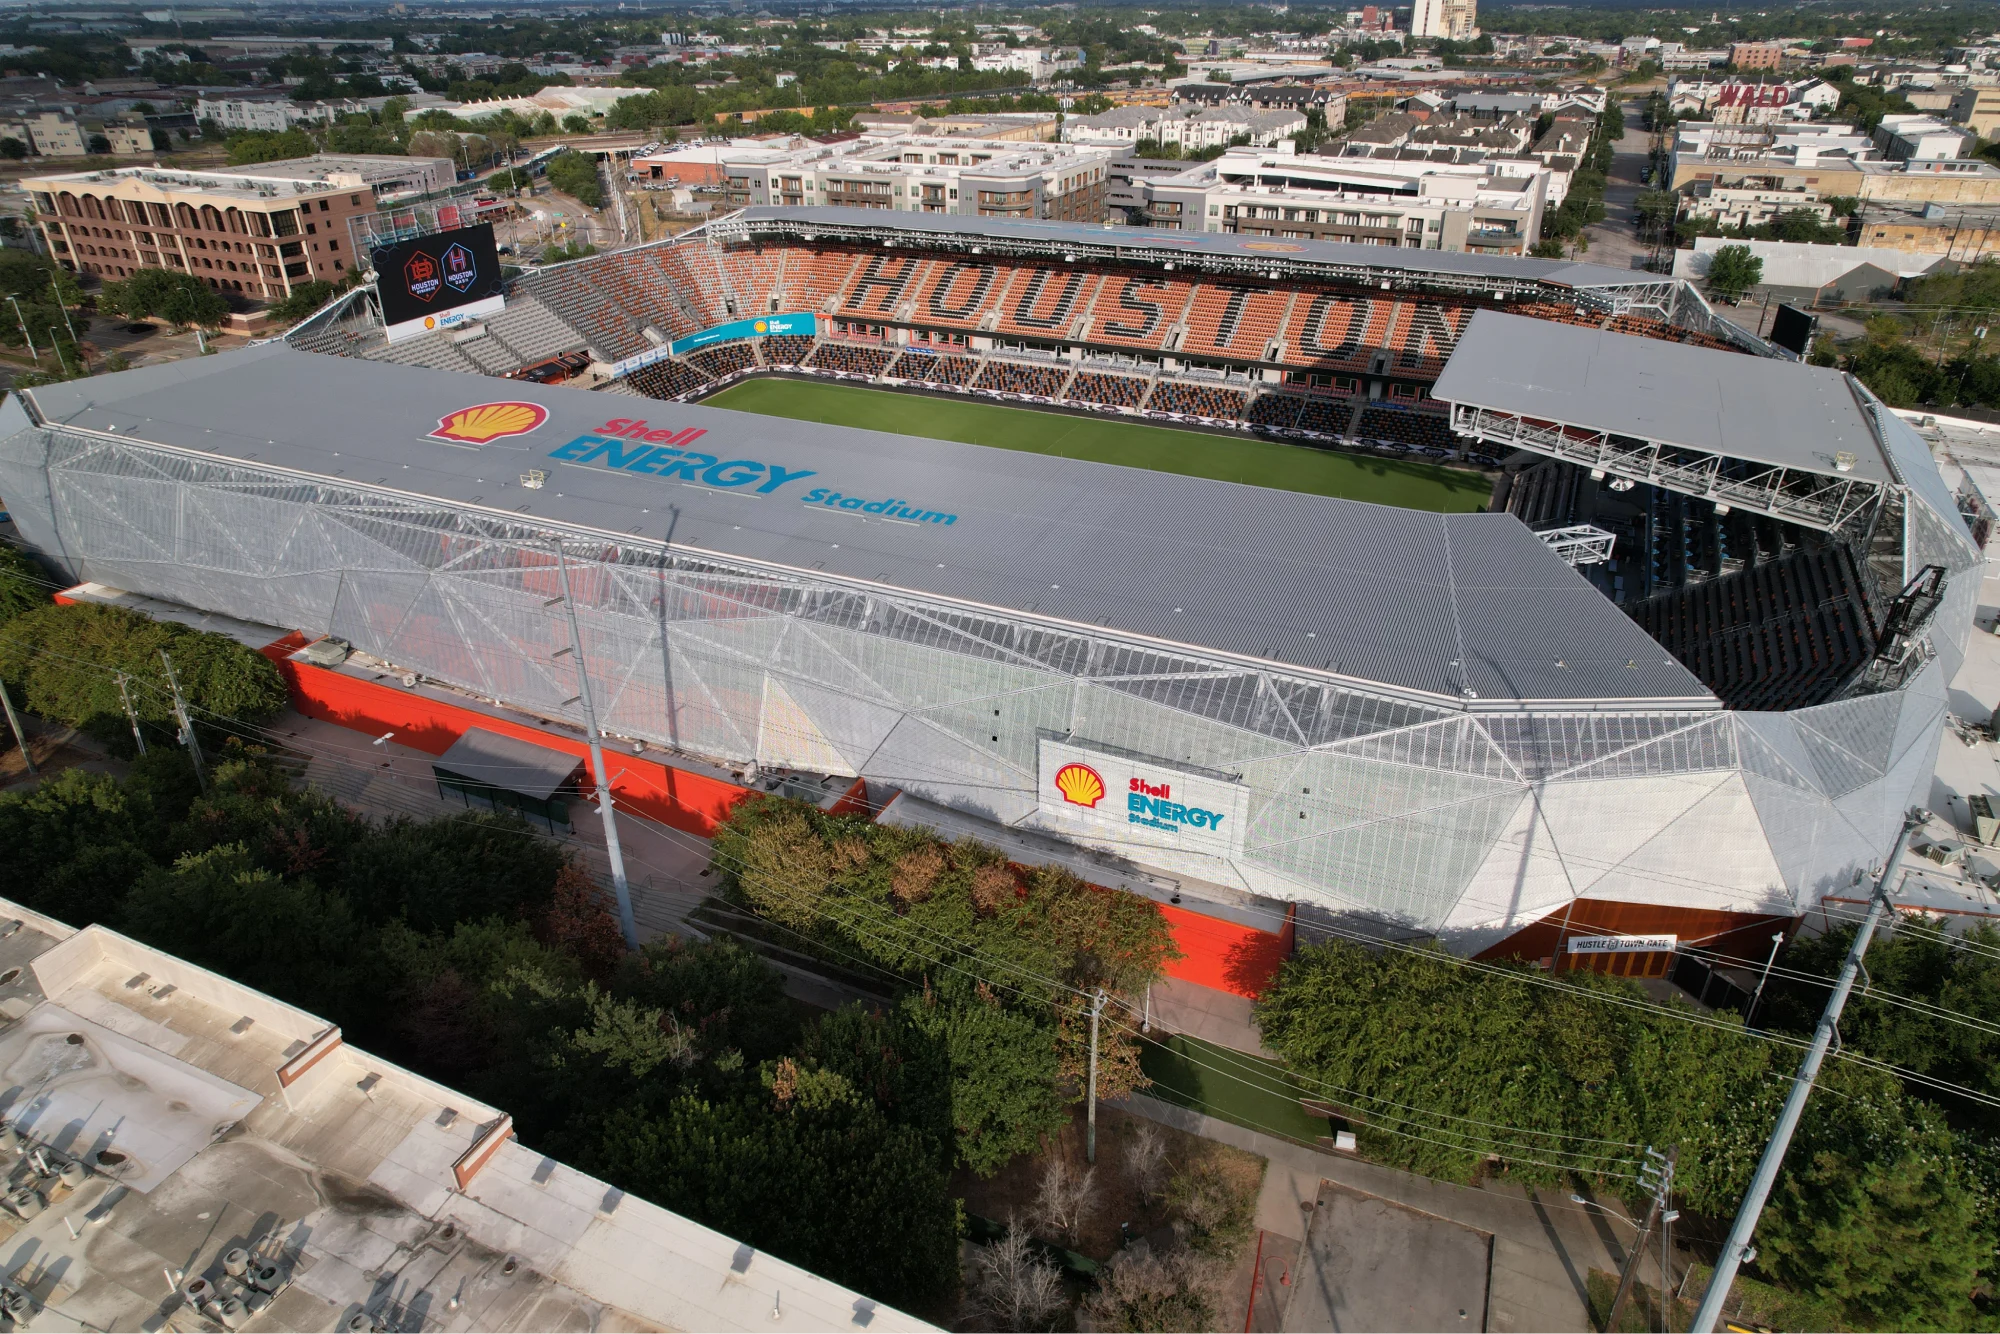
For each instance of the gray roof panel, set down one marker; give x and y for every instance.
(1413, 600)
(1758, 409)
(825, 222)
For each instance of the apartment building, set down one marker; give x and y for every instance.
(257, 232)
(267, 114)
(1756, 55)
(1491, 207)
(1457, 20)
(1192, 129)
(928, 174)
(1752, 206)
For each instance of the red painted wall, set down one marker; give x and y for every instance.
(1225, 956)
(1219, 954)
(687, 801)
(1737, 934)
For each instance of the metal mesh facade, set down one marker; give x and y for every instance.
(1467, 821)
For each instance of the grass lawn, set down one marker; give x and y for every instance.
(1227, 458)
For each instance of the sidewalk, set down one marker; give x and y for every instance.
(1544, 1245)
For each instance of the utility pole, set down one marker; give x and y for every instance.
(1661, 1174)
(619, 885)
(21, 738)
(130, 716)
(187, 728)
(1738, 1249)
(1090, 1117)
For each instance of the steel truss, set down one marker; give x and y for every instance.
(1827, 501)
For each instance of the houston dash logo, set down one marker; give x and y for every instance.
(484, 423)
(1080, 785)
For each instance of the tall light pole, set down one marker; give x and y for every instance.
(619, 884)
(22, 321)
(60, 359)
(56, 287)
(1737, 1248)
(1777, 939)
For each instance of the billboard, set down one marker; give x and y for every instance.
(1108, 797)
(1793, 330)
(437, 281)
(802, 323)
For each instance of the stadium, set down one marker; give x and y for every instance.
(1679, 679)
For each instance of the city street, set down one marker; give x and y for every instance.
(1615, 241)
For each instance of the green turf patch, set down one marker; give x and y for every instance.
(1224, 458)
(1228, 1085)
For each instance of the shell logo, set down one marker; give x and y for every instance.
(484, 423)
(761, 327)
(430, 321)
(1080, 785)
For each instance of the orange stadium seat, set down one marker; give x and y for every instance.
(1234, 319)
(1328, 329)
(1424, 335)
(958, 293)
(1138, 311)
(1045, 302)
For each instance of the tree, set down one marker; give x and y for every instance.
(248, 148)
(98, 145)
(24, 584)
(1732, 271)
(13, 149)
(305, 299)
(1011, 1286)
(576, 124)
(179, 298)
(575, 174)
(1065, 1200)
(66, 659)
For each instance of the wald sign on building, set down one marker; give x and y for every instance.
(437, 282)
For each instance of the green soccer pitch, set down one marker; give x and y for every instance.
(1226, 458)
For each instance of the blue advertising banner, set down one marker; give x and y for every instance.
(801, 323)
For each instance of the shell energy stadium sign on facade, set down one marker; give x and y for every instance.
(1107, 798)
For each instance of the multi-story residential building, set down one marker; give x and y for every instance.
(1750, 207)
(53, 134)
(268, 114)
(928, 174)
(1756, 55)
(1457, 20)
(129, 140)
(1189, 128)
(1490, 207)
(257, 231)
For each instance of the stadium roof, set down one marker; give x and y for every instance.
(1758, 409)
(829, 222)
(1467, 606)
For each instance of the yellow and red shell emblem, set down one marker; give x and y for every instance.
(1080, 785)
(484, 423)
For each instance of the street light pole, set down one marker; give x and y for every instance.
(18, 319)
(57, 289)
(1777, 939)
(619, 885)
(60, 359)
